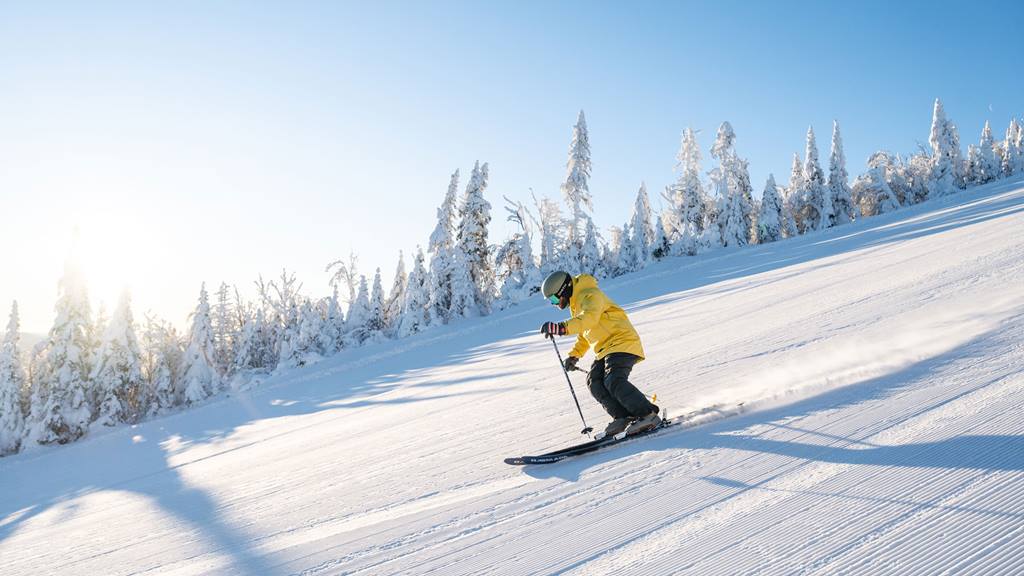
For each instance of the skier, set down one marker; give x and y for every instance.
(601, 324)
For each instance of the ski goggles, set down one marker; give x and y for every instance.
(553, 299)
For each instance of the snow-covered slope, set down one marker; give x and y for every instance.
(882, 365)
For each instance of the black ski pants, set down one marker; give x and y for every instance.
(609, 384)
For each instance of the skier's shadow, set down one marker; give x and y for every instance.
(1000, 452)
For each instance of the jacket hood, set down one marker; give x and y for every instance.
(583, 282)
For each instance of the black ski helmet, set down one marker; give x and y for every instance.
(555, 284)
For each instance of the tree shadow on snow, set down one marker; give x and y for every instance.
(143, 460)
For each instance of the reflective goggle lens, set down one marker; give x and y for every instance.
(553, 299)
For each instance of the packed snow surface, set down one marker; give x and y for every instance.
(881, 366)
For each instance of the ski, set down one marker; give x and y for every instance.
(585, 447)
(600, 443)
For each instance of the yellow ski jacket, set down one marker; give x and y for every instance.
(599, 322)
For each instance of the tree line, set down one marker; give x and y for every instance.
(96, 372)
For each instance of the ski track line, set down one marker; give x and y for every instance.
(842, 530)
(821, 472)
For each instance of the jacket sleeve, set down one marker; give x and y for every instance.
(592, 305)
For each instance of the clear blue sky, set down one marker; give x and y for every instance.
(200, 141)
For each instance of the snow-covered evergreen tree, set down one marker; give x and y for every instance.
(396, 298)
(772, 215)
(639, 247)
(473, 245)
(359, 313)
(200, 379)
(731, 183)
(415, 316)
(119, 389)
(334, 324)
(1013, 149)
(161, 365)
(660, 248)
(986, 166)
(376, 324)
(611, 256)
(687, 199)
(793, 193)
(517, 270)
(311, 342)
(947, 163)
(553, 240)
(711, 238)
(838, 181)
(12, 382)
(591, 261)
(871, 190)
(463, 289)
(442, 255)
(282, 300)
(60, 401)
(814, 209)
(225, 330)
(576, 189)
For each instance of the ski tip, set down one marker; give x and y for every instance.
(518, 461)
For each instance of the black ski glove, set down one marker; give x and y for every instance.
(570, 363)
(550, 329)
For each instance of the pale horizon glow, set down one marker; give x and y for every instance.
(196, 143)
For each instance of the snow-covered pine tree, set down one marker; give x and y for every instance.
(310, 344)
(770, 220)
(344, 279)
(442, 255)
(815, 202)
(199, 375)
(415, 316)
(357, 325)
(660, 248)
(711, 238)
(225, 330)
(376, 324)
(514, 262)
(12, 382)
(642, 232)
(838, 181)
(161, 366)
(611, 256)
(119, 388)
(1013, 150)
(473, 245)
(946, 174)
(463, 289)
(871, 190)
(60, 402)
(576, 189)
(973, 171)
(1018, 146)
(591, 261)
(731, 183)
(396, 298)
(334, 323)
(687, 200)
(552, 237)
(792, 199)
(987, 163)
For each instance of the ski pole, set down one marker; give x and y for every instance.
(586, 429)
